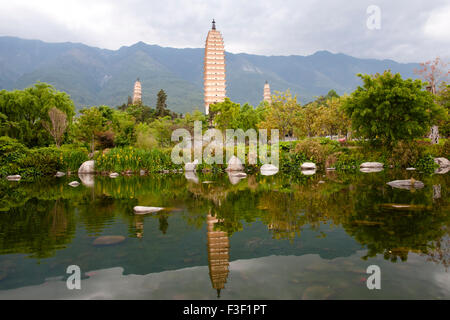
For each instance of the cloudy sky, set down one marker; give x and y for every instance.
(410, 30)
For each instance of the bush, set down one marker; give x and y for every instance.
(426, 164)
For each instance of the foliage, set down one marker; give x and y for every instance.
(388, 109)
(22, 112)
(426, 164)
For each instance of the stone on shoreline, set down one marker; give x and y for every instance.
(59, 174)
(268, 169)
(113, 175)
(144, 210)
(87, 167)
(191, 166)
(370, 170)
(234, 164)
(308, 166)
(371, 165)
(442, 162)
(15, 177)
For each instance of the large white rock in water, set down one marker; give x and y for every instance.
(113, 175)
(74, 184)
(371, 165)
(442, 162)
(144, 210)
(406, 184)
(87, 167)
(14, 177)
(87, 179)
(268, 169)
(308, 166)
(191, 166)
(442, 170)
(235, 164)
(59, 174)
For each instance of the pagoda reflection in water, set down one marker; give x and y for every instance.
(218, 255)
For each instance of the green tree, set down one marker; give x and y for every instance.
(443, 98)
(161, 106)
(225, 115)
(89, 124)
(388, 109)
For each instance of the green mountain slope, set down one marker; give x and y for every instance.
(93, 76)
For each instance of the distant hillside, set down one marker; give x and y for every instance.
(94, 76)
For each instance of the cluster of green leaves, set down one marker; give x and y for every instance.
(387, 109)
(133, 159)
(426, 164)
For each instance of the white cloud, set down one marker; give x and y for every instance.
(268, 27)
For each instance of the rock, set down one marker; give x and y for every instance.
(308, 166)
(399, 206)
(234, 164)
(406, 184)
(145, 210)
(442, 162)
(113, 175)
(87, 179)
(411, 169)
(108, 240)
(191, 176)
(207, 182)
(74, 184)
(13, 178)
(370, 170)
(191, 166)
(142, 172)
(166, 171)
(87, 167)
(442, 170)
(331, 169)
(59, 174)
(371, 165)
(268, 169)
(308, 172)
(321, 181)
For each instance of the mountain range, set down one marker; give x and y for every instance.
(94, 76)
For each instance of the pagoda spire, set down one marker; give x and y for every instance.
(213, 25)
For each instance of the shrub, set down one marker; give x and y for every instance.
(426, 164)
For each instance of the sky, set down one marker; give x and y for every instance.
(404, 31)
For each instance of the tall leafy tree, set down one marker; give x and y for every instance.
(388, 108)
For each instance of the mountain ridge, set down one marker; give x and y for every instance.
(95, 76)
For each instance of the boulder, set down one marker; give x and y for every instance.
(371, 165)
(59, 174)
(308, 166)
(113, 175)
(87, 167)
(235, 164)
(108, 240)
(442, 162)
(239, 174)
(406, 184)
(15, 177)
(145, 210)
(191, 166)
(410, 169)
(142, 172)
(87, 179)
(268, 169)
(74, 184)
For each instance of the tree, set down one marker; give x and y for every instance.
(88, 124)
(225, 114)
(433, 72)
(161, 106)
(24, 110)
(58, 125)
(284, 114)
(443, 98)
(388, 109)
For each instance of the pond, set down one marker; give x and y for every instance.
(220, 237)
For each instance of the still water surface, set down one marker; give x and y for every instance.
(262, 237)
